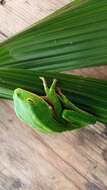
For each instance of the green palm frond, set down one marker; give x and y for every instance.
(73, 37)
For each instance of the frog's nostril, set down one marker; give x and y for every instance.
(17, 92)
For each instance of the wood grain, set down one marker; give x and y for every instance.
(31, 161)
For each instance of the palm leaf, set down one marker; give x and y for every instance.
(89, 94)
(73, 37)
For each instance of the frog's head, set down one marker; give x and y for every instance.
(24, 102)
(31, 109)
(24, 98)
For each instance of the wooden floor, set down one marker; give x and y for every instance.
(29, 161)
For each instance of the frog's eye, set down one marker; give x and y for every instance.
(29, 100)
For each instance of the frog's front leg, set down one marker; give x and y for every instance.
(46, 89)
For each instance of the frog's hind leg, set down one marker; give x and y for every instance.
(78, 118)
(66, 102)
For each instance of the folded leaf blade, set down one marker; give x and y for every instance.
(72, 38)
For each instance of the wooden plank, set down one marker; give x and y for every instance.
(31, 161)
(18, 15)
